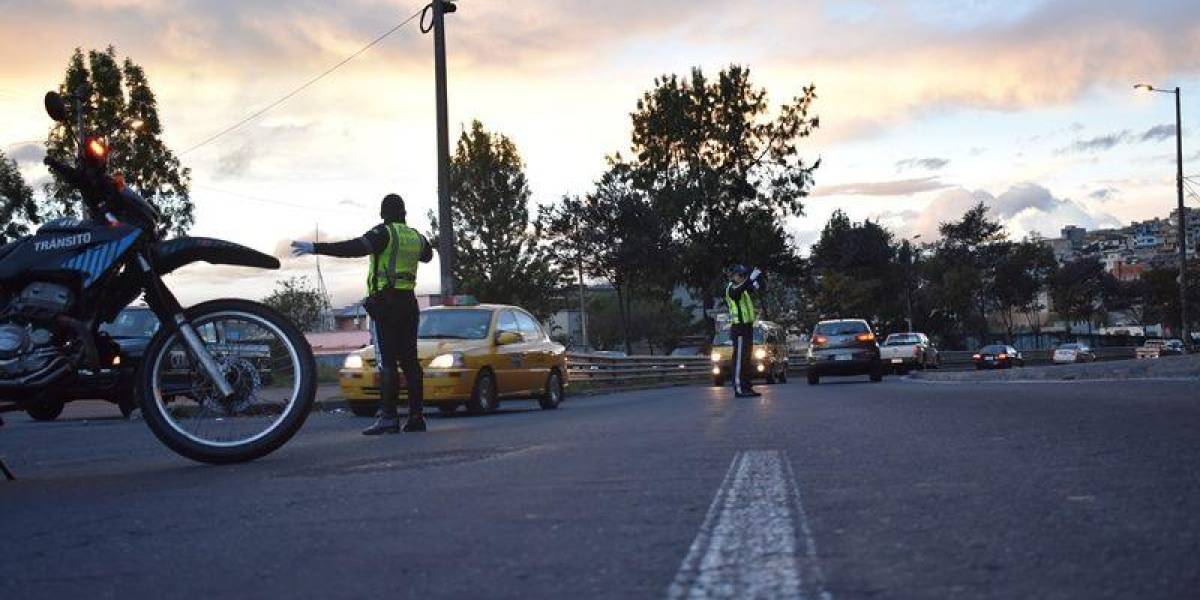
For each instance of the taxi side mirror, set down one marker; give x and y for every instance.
(505, 338)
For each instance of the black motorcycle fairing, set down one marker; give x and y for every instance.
(80, 249)
(178, 252)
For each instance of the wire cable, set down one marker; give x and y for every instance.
(302, 87)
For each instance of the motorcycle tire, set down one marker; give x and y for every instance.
(279, 433)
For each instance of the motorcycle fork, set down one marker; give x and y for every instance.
(167, 308)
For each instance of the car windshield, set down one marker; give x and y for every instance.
(993, 349)
(723, 337)
(132, 323)
(468, 324)
(841, 328)
(902, 339)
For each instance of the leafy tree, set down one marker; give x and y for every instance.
(1022, 272)
(1161, 293)
(17, 208)
(858, 272)
(961, 274)
(300, 301)
(716, 169)
(498, 258)
(120, 94)
(1076, 290)
(615, 235)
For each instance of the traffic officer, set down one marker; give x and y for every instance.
(739, 295)
(395, 249)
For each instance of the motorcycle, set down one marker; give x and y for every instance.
(224, 381)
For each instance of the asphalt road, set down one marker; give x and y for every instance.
(846, 490)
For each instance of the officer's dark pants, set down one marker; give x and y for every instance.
(395, 327)
(743, 351)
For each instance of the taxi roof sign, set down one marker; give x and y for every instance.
(461, 300)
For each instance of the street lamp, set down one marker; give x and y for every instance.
(908, 271)
(1182, 226)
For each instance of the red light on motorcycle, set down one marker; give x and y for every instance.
(119, 182)
(97, 148)
(865, 337)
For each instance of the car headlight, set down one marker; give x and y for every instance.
(760, 354)
(715, 357)
(447, 361)
(354, 361)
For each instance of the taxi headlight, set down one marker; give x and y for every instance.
(760, 354)
(447, 361)
(715, 357)
(354, 361)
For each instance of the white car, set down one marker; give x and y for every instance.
(1073, 353)
(905, 351)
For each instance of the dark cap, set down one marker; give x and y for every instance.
(391, 209)
(739, 270)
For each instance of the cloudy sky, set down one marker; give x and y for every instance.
(926, 106)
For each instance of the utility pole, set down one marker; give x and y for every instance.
(1182, 228)
(445, 226)
(582, 304)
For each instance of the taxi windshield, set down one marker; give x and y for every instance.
(467, 324)
(723, 337)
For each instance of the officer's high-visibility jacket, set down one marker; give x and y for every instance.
(396, 266)
(394, 248)
(741, 302)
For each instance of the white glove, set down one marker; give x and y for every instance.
(302, 248)
(754, 275)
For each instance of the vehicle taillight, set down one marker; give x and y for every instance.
(916, 351)
(865, 337)
(97, 148)
(1002, 356)
(976, 357)
(820, 340)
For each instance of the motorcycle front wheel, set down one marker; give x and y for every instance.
(263, 356)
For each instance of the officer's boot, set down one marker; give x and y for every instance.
(384, 425)
(414, 423)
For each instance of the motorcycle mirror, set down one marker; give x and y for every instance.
(55, 107)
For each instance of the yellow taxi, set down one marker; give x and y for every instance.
(472, 355)
(769, 361)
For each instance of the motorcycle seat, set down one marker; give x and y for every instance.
(63, 225)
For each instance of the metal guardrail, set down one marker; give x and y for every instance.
(637, 370)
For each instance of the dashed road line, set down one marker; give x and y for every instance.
(755, 541)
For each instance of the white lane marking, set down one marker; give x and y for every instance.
(747, 546)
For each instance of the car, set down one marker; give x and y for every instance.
(1156, 347)
(770, 359)
(901, 352)
(1073, 353)
(473, 355)
(844, 347)
(123, 341)
(998, 356)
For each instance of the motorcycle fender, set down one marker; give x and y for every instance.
(172, 254)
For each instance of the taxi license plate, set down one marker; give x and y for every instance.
(843, 357)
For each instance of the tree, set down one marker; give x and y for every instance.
(614, 234)
(17, 208)
(961, 273)
(716, 169)
(1077, 289)
(300, 301)
(498, 258)
(1022, 272)
(858, 275)
(121, 94)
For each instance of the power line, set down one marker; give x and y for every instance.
(302, 87)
